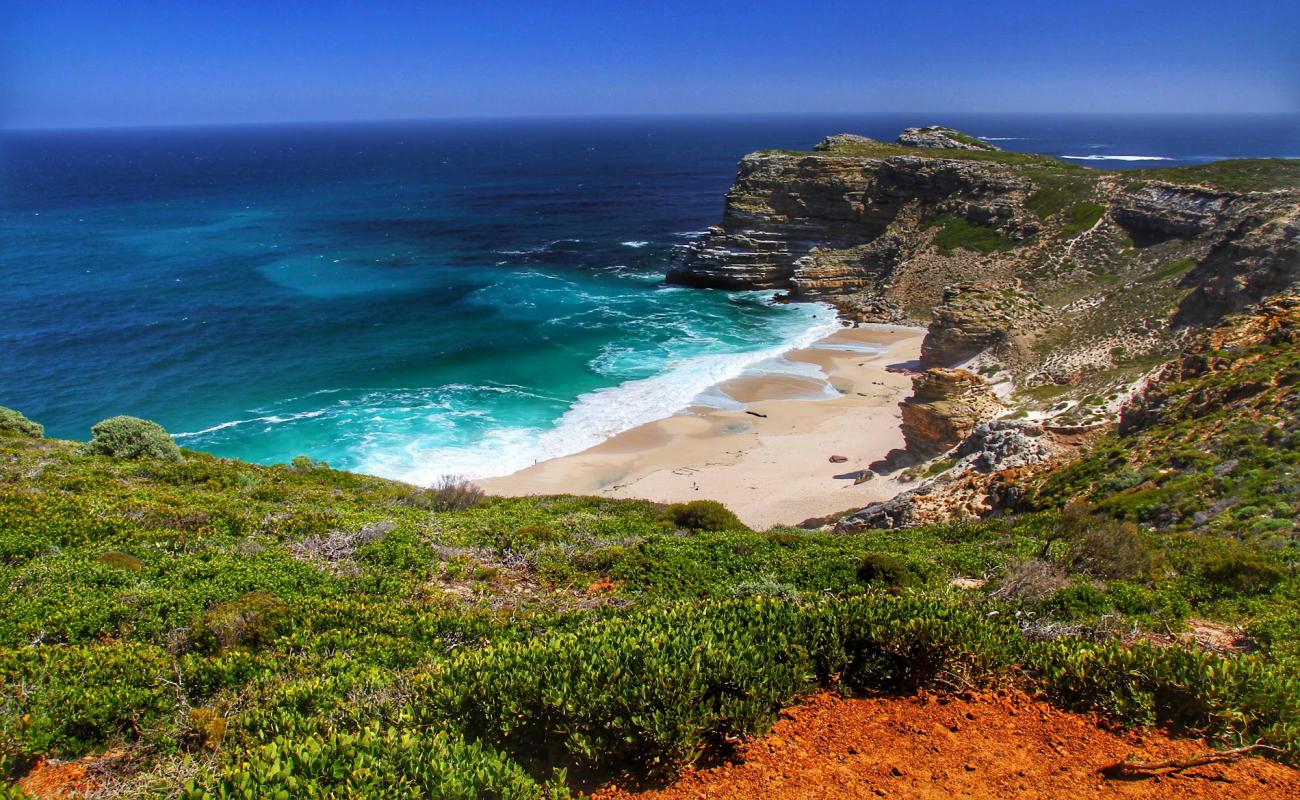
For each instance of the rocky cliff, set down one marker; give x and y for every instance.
(1055, 271)
(1058, 286)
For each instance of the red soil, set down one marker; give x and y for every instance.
(996, 746)
(58, 779)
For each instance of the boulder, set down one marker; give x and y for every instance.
(1003, 444)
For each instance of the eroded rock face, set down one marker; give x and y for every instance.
(830, 224)
(940, 138)
(971, 319)
(1161, 211)
(1242, 270)
(1273, 322)
(1058, 271)
(945, 406)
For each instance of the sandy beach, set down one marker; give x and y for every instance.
(770, 469)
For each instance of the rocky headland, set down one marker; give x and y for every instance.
(1051, 291)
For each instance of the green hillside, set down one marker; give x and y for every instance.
(232, 630)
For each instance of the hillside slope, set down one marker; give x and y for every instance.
(209, 628)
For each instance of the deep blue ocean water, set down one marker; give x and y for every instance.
(424, 298)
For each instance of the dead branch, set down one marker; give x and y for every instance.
(1131, 767)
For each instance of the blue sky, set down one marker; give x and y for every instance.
(124, 62)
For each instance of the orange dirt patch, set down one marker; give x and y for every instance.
(996, 746)
(58, 779)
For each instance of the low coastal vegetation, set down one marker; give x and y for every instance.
(954, 232)
(216, 629)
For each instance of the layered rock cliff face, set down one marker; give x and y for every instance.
(945, 406)
(1056, 271)
(832, 224)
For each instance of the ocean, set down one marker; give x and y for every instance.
(421, 299)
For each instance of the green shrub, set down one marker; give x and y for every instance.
(247, 621)
(131, 437)
(884, 569)
(77, 698)
(1238, 573)
(703, 515)
(1242, 699)
(15, 422)
(307, 464)
(766, 586)
(1078, 600)
(374, 763)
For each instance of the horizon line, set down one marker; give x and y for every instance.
(604, 115)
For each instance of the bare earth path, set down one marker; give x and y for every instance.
(996, 746)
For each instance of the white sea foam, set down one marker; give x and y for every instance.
(1004, 138)
(851, 347)
(592, 418)
(541, 248)
(268, 420)
(1118, 158)
(635, 244)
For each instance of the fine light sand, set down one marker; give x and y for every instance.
(772, 470)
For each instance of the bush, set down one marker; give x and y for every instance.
(1109, 549)
(307, 464)
(1032, 580)
(131, 437)
(885, 569)
(1078, 600)
(247, 621)
(384, 764)
(452, 493)
(1241, 573)
(652, 689)
(78, 698)
(11, 420)
(766, 586)
(1245, 699)
(703, 515)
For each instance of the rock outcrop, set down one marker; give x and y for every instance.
(973, 318)
(940, 138)
(1003, 444)
(945, 406)
(1275, 322)
(842, 220)
(994, 455)
(1241, 270)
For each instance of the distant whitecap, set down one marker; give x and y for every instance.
(1118, 158)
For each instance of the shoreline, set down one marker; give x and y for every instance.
(771, 469)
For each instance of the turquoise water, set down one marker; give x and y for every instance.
(420, 299)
